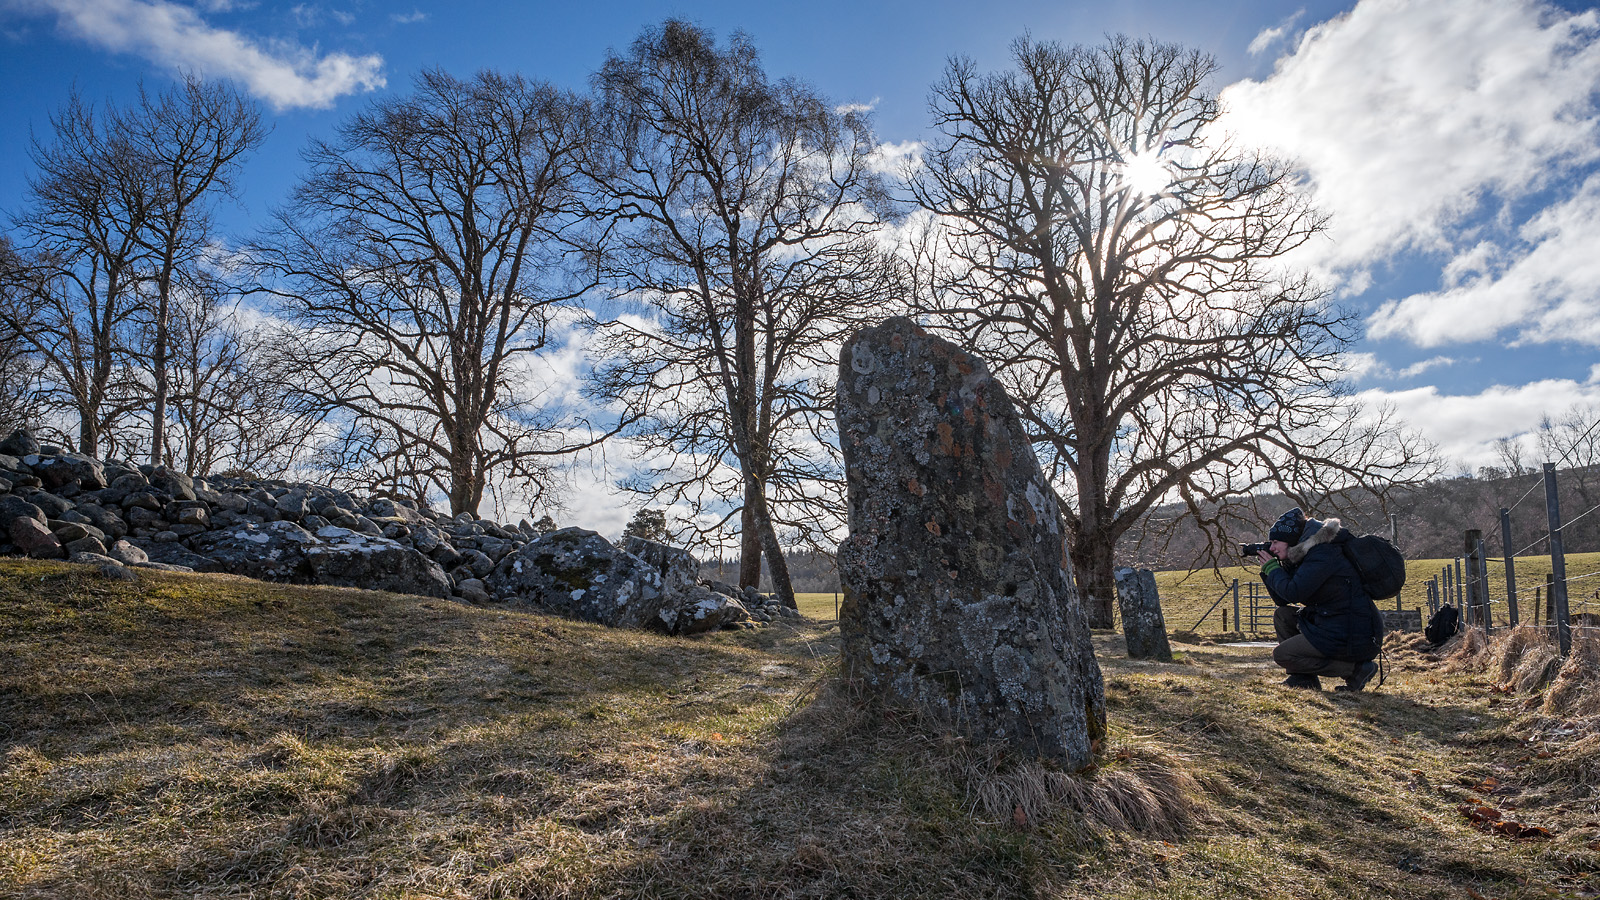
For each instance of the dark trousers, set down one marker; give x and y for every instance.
(1296, 654)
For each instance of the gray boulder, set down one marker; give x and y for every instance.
(173, 554)
(71, 468)
(13, 507)
(696, 610)
(958, 597)
(19, 443)
(104, 519)
(32, 538)
(52, 504)
(580, 575)
(686, 606)
(293, 506)
(169, 481)
(678, 568)
(342, 556)
(126, 553)
(274, 551)
(473, 590)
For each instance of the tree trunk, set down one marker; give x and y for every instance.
(466, 483)
(749, 541)
(158, 366)
(1092, 560)
(88, 435)
(777, 565)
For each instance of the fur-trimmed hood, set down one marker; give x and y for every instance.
(1328, 531)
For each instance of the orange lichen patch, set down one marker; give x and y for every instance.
(947, 440)
(933, 528)
(915, 487)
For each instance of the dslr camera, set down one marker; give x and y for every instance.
(1249, 551)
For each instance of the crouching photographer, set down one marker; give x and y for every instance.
(1326, 623)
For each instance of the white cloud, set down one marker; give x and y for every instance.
(1546, 288)
(1410, 115)
(1416, 369)
(1465, 426)
(857, 107)
(1270, 37)
(284, 75)
(1363, 366)
(410, 18)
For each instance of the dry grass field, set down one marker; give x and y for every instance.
(204, 736)
(1186, 596)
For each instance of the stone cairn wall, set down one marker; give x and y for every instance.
(958, 596)
(55, 504)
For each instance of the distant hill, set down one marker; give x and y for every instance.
(1431, 524)
(1431, 520)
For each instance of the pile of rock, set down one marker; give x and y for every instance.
(55, 504)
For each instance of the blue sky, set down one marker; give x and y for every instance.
(1456, 145)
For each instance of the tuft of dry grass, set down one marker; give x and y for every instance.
(1575, 690)
(1140, 789)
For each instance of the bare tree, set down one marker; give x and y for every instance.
(190, 143)
(1120, 263)
(1571, 440)
(424, 260)
(19, 363)
(1509, 451)
(81, 233)
(229, 407)
(746, 221)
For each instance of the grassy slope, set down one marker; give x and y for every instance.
(192, 736)
(1185, 596)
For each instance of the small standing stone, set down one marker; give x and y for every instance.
(1142, 623)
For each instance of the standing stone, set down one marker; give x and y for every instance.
(958, 593)
(1142, 623)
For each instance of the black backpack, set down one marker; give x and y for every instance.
(1379, 563)
(1442, 625)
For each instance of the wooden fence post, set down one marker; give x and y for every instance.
(1474, 586)
(1238, 623)
(1558, 561)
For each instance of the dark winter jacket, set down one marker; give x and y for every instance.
(1339, 619)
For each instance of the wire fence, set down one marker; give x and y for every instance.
(1563, 602)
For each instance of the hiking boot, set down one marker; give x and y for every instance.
(1359, 678)
(1308, 682)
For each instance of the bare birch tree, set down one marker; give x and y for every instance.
(745, 219)
(1121, 265)
(424, 260)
